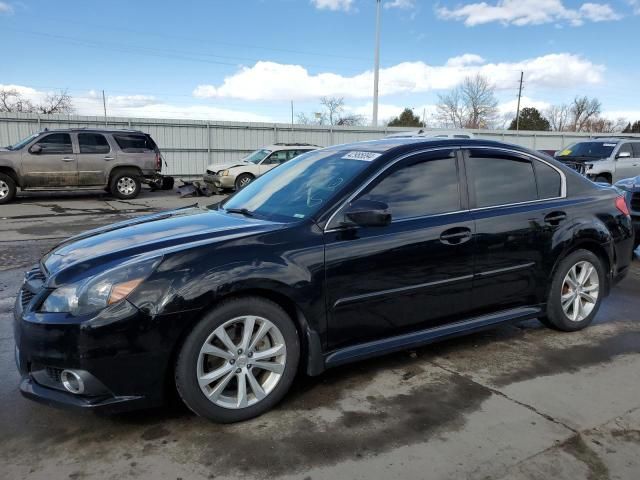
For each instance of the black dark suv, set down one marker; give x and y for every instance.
(338, 255)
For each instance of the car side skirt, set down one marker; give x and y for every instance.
(423, 337)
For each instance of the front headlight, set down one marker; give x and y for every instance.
(225, 173)
(588, 166)
(95, 293)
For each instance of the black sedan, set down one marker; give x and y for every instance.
(339, 255)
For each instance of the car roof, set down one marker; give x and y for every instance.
(291, 146)
(610, 139)
(92, 130)
(417, 143)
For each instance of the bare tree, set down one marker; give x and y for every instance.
(558, 116)
(11, 100)
(353, 120)
(470, 105)
(605, 125)
(334, 106)
(583, 110)
(56, 103)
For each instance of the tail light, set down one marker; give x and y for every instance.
(621, 204)
(158, 162)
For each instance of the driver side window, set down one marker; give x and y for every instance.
(55, 143)
(276, 158)
(419, 188)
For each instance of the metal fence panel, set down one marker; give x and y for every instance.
(189, 146)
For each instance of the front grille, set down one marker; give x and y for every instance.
(53, 374)
(635, 202)
(36, 273)
(25, 297)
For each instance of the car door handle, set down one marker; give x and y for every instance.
(68, 159)
(109, 158)
(555, 218)
(455, 236)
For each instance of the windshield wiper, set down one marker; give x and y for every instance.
(242, 211)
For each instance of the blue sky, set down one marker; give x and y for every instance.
(246, 59)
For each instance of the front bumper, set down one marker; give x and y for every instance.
(219, 182)
(126, 353)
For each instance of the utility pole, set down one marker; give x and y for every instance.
(376, 68)
(519, 97)
(104, 106)
(291, 113)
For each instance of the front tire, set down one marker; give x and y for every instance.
(576, 291)
(602, 179)
(239, 361)
(7, 188)
(243, 180)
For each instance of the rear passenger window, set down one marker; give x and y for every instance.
(549, 181)
(93, 143)
(56, 143)
(626, 148)
(134, 143)
(636, 149)
(426, 188)
(501, 181)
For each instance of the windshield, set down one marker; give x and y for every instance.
(588, 149)
(298, 188)
(22, 143)
(257, 156)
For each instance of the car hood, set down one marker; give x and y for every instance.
(216, 167)
(578, 159)
(629, 184)
(149, 235)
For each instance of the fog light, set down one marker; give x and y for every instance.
(72, 382)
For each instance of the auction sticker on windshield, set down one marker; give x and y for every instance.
(364, 156)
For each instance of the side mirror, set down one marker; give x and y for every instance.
(36, 149)
(368, 213)
(624, 155)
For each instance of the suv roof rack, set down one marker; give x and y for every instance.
(287, 144)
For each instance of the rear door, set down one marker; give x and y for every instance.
(54, 165)
(414, 273)
(94, 158)
(516, 217)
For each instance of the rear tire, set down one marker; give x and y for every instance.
(245, 374)
(125, 184)
(7, 188)
(576, 292)
(602, 179)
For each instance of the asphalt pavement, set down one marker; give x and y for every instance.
(517, 402)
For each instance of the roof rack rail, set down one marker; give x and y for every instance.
(287, 144)
(617, 136)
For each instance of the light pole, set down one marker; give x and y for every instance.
(376, 68)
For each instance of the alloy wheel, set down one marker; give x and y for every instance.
(126, 185)
(241, 362)
(244, 182)
(580, 291)
(4, 189)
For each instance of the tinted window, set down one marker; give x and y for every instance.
(56, 143)
(501, 181)
(588, 149)
(626, 148)
(549, 181)
(93, 143)
(134, 143)
(425, 188)
(636, 149)
(277, 158)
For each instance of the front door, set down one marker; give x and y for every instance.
(516, 218)
(50, 162)
(94, 159)
(414, 273)
(272, 161)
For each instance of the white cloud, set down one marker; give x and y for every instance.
(402, 4)
(142, 106)
(528, 12)
(635, 5)
(276, 81)
(510, 107)
(5, 8)
(334, 5)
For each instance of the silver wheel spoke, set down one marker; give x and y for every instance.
(591, 288)
(258, 391)
(222, 334)
(242, 390)
(588, 297)
(216, 352)
(271, 366)
(217, 391)
(269, 353)
(209, 378)
(262, 331)
(249, 323)
(576, 308)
